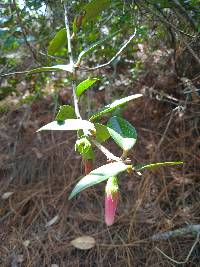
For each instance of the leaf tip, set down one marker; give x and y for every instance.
(71, 195)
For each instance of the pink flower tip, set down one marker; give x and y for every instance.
(111, 200)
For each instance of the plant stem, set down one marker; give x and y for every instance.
(68, 35)
(75, 98)
(105, 151)
(77, 112)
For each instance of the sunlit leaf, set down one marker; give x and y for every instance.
(67, 125)
(67, 67)
(123, 133)
(114, 105)
(84, 85)
(141, 167)
(99, 175)
(83, 242)
(102, 133)
(93, 46)
(58, 42)
(65, 112)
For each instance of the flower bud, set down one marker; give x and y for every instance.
(111, 200)
(88, 165)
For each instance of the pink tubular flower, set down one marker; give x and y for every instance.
(111, 200)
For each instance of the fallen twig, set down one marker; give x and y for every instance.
(193, 228)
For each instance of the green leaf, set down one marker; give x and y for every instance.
(58, 42)
(89, 12)
(94, 8)
(68, 125)
(141, 167)
(123, 133)
(65, 112)
(99, 175)
(93, 46)
(84, 147)
(102, 133)
(114, 105)
(74, 27)
(83, 86)
(67, 67)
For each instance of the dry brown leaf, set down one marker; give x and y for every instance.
(83, 242)
(52, 221)
(6, 195)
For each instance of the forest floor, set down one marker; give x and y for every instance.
(38, 171)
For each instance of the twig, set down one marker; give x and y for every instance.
(50, 56)
(166, 129)
(75, 98)
(76, 107)
(115, 56)
(68, 35)
(188, 256)
(14, 73)
(24, 32)
(194, 228)
(105, 151)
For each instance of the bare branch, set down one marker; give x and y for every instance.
(68, 35)
(115, 56)
(78, 115)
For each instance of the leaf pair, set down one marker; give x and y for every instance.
(66, 116)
